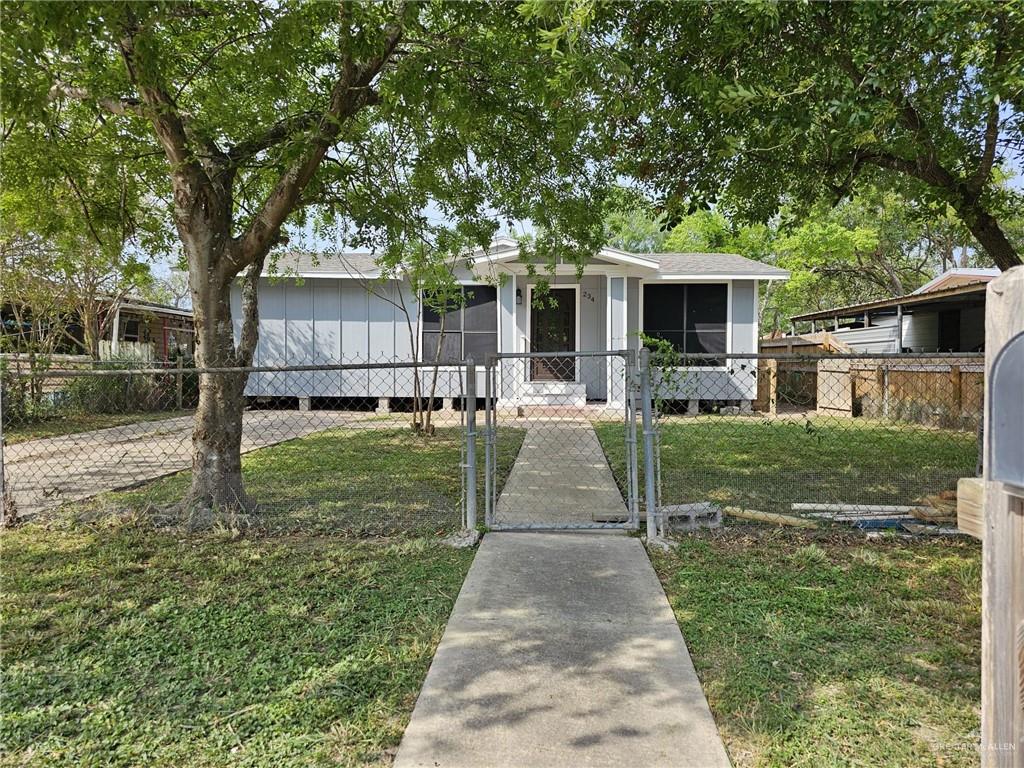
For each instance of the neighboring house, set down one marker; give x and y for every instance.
(946, 314)
(149, 331)
(138, 329)
(700, 302)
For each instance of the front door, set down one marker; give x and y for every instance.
(553, 329)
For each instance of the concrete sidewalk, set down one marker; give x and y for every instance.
(561, 650)
(560, 476)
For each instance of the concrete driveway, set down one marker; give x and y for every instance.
(43, 474)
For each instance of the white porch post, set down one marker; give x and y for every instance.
(615, 338)
(115, 334)
(608, 339)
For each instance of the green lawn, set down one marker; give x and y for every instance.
(767, 465)
(124, 646)
(72, 423)
(378, 479)
(821, 652)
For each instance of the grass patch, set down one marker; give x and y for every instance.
(125, 646)
(73, 423)
(367, 480)
(823, 651)
(767, 465)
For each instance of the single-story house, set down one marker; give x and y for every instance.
(150, 331)
(338, 310)
(131, 328)
(946, 314)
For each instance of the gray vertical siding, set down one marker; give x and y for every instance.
(744, 315)
(330, 320)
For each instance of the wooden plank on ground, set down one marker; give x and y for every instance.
(970, 494)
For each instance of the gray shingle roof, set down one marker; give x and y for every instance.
(305, 263)
(713, 264)
(684, 264)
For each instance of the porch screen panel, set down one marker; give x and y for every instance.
(470, 329)
(707, 308)
(664, 313)
(692, 317)
(451, 345)
(480, 322)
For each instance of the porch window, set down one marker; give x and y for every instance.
(691, 316)
(470, 328)
(131, 330)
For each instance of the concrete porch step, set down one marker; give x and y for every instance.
(553, 393)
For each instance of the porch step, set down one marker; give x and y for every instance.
(568, 393)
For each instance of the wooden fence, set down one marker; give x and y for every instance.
(940, 392)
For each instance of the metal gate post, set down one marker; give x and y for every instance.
(470, 407)
(631, 385)
(3, 476)
(646, 408)
(488, 440)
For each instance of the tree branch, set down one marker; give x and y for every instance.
(351, 92)
(124, 106)
(275, 134)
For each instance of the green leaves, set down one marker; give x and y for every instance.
(774, 104)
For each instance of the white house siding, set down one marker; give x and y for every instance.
(326, 320)
(920, 334)
(737, 380)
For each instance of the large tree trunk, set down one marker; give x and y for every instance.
(217, 434)
(987, 231)
(216, 444)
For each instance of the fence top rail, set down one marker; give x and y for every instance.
(838, 356)
(75, 374)
(492, 359)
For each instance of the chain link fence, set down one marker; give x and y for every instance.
(870, 440)
(379, 447)
(366, 447)
(568, 411)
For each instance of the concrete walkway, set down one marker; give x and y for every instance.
(561, 650)
(561, 475)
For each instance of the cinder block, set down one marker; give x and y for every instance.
(682, 518)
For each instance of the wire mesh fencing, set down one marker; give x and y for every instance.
(555, 417)
(877, 441)
(367, 447)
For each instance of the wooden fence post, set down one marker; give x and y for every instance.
(773, 386)
(956, 391)
(1002, 580)
(179, 384)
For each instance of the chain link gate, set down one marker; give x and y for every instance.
(560, 441)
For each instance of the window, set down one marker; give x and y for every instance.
(470, 329)
(692, 317)
(130, 331)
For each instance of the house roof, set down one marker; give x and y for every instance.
(308, 264)
(732, 264)
(958, 276)
(974, 291)
(654, 266)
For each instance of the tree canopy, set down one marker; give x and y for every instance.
(244, 121)
(777, 104)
